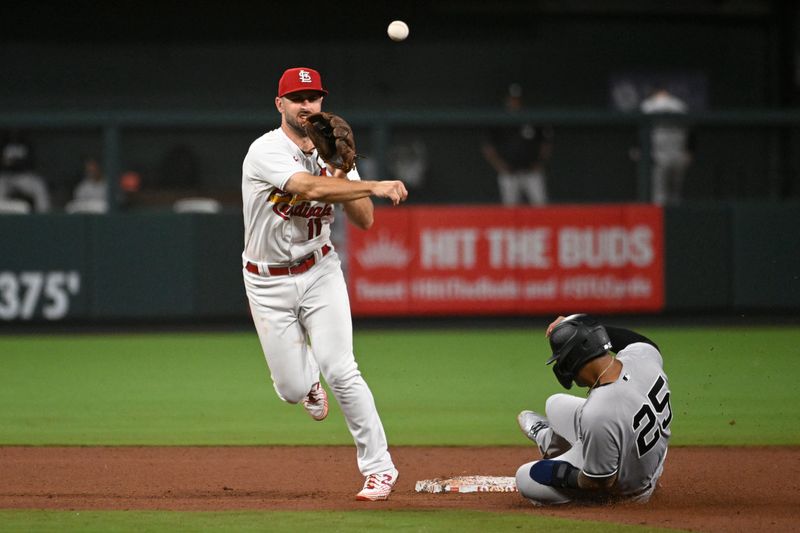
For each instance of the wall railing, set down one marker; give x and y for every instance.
(380, 123)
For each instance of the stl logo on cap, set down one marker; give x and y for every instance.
(300, 79)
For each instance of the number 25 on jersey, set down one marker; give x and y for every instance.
(645, 421)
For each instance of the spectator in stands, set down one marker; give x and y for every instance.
(18, 180)
(670, 148)
(519, 154)
(93, 186)
(91, 193)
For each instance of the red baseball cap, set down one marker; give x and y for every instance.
(300, 79)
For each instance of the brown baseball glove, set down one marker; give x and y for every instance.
(333, 138)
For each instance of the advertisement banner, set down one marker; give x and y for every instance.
(442, 260)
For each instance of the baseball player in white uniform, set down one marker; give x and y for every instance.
(293, 277)
(669, 148)
(612, 445)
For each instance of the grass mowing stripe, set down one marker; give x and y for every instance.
(448, 387)
(291, 522)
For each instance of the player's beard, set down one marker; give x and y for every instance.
(297, 127)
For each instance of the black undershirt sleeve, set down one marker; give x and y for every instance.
(621, 338)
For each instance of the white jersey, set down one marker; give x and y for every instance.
(28, 184)
(278, 227)
(624, 425)
(666, 139)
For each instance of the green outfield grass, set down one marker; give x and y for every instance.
(292, 522)
(450, 387)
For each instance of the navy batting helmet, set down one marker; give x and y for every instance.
(575, 341)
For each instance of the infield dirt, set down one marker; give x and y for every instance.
(702, 489)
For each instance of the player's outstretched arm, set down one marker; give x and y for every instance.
(325, 189)
(392, 190)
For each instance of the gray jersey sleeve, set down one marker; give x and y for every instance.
(602, 445)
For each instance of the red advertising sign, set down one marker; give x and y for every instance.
(497, 260)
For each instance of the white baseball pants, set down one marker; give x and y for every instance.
(513, 184)
(562, 411)
(669, 169)
(292, 314)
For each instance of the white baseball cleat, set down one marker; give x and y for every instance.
(378, 487)
(316, 403)
(532, 424)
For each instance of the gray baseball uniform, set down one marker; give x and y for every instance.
(622, 428)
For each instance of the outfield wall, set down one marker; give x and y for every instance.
(165, 266)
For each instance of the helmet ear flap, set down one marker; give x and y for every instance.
(574, 342)
(565, 378)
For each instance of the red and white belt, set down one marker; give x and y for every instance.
(292, 269)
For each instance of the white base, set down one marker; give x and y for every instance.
(463, 484)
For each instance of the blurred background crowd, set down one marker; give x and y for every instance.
(138, 105)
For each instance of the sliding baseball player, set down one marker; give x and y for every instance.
(613, 444)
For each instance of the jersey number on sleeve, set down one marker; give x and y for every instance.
(646, 417)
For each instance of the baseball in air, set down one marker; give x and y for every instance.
(397, 30)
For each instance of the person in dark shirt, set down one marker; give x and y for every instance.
(519, 154)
